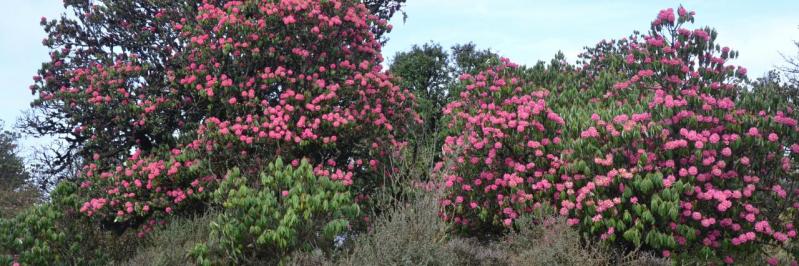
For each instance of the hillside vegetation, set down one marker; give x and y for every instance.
(268, 133)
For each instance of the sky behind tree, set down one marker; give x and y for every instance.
(524, 31)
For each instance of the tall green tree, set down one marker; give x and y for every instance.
(430, 71)
(427, 72)
(776, 89)
(468, 59)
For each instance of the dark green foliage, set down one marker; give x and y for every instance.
(775, 91)
(12, 168)
(54, 234)
(470, 60)
(426, 71)
(431, 73)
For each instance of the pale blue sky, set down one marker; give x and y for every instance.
(524, 31)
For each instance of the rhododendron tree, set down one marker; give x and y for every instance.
(129, 57)
(677, 155)
(503, 149)
(658, 144)
(255, 80)
(384, 9)
(106, 72)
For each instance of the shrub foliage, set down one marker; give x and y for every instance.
(284, 210)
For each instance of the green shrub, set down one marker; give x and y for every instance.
(30, 238)
(53, 233)
(265, 219)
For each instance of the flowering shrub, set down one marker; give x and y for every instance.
(50, 233)
(256, 80)
(682, 158)
(662, 147)
(503, 145)
(654, 141)
(90, 38)
(285, 209)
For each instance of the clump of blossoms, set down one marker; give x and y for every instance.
(502, 150)
(678, 156)
(257, 80)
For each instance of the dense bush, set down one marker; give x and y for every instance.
(283, 210)
(93, 36)
(414, 234)
(542, 240)
(669, 150)
(54, 233)
(504, 149)
(29, 237)
(681, 157)
(301, 80)
(409, 234)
